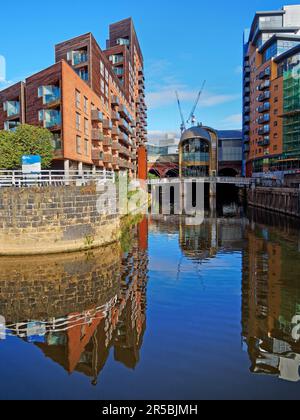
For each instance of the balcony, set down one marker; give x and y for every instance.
(246, 100)
(115, 146)
(246, 91)
(265, 85)
(107, 141)
(50, 94)
(115, 116)
(107, 125)
(264, 119)
(97, 154)
(264, 108)
(124, 151)
(123, 137)
(247, 128)
(96, 115)
(265, 142)
(50, 118)
(115, 101)
(124, 113)
(264, 130)
(265, 74)
(247, 70)
(119, 71)
(246, 81)
(115, 161)
(115, 131)
(246, 109)
(11, 125)
(97, 135)
(116, 59)
(247, 119)
(107, 158)
(12, 109)
(83, 74)
(246, 148)
(125, 126)
(79, 57)
(264, 96)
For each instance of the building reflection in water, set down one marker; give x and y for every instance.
(76, 308)
(271, 296)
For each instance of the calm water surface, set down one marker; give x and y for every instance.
(174, 311)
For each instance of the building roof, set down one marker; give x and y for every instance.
(195, 132)
(230, 134)
(286, 54)
(276, 37)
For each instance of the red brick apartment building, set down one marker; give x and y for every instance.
(93, 102)
(271, 107)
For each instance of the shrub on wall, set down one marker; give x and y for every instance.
(26, 140)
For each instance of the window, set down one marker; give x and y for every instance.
(78, 121)
(102, 68)
(102, 86)
(86, 147)
(275, 123)
(78, 144)
(86, 127)
(85, 105)
(77, 99)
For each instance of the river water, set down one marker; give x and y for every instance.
(175, 310)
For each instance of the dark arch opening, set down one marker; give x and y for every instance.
(172, 173)
(154, 173)
(228, 172)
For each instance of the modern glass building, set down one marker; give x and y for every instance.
(198, 152)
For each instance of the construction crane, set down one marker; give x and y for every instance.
(182, 126)
(192, 117)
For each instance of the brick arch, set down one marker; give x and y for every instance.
(162, 169)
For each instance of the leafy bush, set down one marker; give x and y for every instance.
(26, 140)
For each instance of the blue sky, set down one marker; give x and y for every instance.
(183, 44)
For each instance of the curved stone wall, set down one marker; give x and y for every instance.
(55, 219)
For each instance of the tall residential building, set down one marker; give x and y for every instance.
(271, 92)
(97, 117)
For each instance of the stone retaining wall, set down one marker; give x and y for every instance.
(55, 219)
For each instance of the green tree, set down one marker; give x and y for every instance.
(26, 140)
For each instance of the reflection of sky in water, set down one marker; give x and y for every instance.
(214, 327)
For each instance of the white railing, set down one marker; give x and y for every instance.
(56, 178)
(218, 180)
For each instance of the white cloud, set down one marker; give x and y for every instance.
(233, 121)
(166, 96)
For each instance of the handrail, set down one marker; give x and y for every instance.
(19, 179)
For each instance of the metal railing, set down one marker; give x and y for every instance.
(218, 180)
(53, 178)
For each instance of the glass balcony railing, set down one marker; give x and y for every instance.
(50, 94)
(116, 59)
(83, 74)
(12, 108)
(50, 118)
(11, 125)
(79, 57)
(119, 71)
